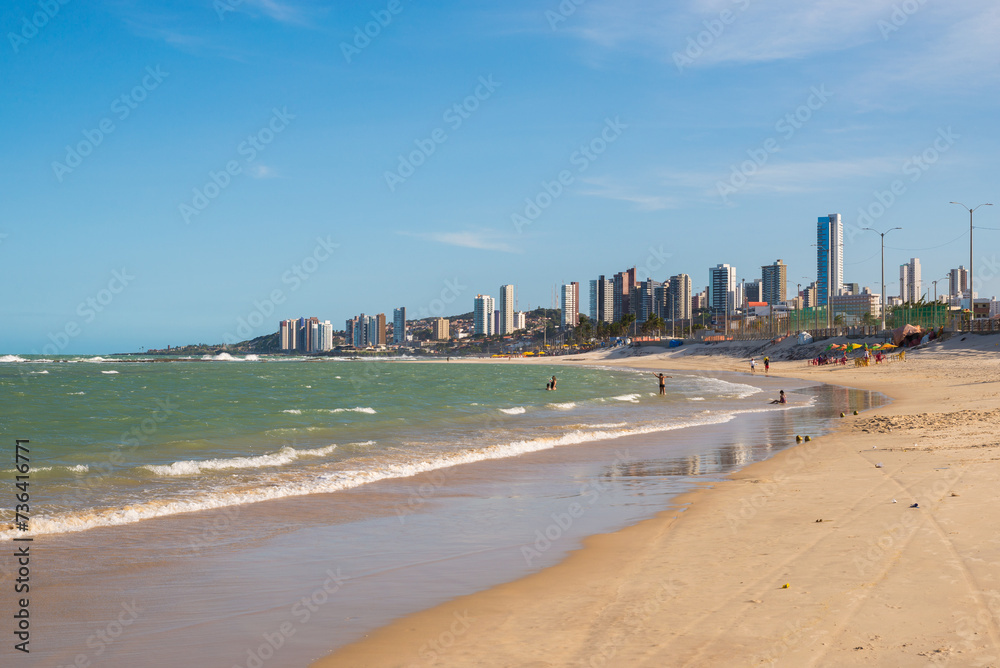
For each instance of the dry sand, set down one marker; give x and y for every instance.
(875, 583)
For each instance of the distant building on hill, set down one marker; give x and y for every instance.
(440, 330)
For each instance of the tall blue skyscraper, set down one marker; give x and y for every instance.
(399, 325)
(829, 258)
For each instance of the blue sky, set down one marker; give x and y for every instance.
(222, 157)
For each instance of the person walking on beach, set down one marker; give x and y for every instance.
(663, 383)
(753, 365)
(767, 365)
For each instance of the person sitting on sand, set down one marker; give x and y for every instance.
(781, 398)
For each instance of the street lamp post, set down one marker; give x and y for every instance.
(971, 292)
(882, 234)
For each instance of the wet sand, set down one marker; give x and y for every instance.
(871, 580)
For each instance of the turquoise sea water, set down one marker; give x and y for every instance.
(116, 442)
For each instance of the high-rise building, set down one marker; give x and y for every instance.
(310, 328)
(569, 305)
(506, 308)
(378, 339)
(349, 329)
(399, 325)
(753, 290)
(602, 300)
(680, 297)
(829, 257)
(722, 288)
(576, 299)
(773, 278)
(325, 336)
(809, 296)
(643, 299)
(440, 329)
(662, 306)
(483, 315)
(520, 320)
(288, 335)
(958, 282)
(624, 286)
(909, 281)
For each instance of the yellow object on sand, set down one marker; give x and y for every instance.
(784, 586)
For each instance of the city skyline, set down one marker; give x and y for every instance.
(194, 168)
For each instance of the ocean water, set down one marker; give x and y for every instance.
(117, 442)
(410, 483)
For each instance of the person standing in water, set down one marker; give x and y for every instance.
(551, 385)
(663, 383)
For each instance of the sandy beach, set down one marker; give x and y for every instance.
(874, 545)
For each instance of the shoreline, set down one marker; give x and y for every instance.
(847, 573)
(218, 564)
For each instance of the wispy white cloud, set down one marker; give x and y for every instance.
(608, 189)
(806, 176)
(297, 15)
(948, 39)
(263, 172)
(483, 239)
